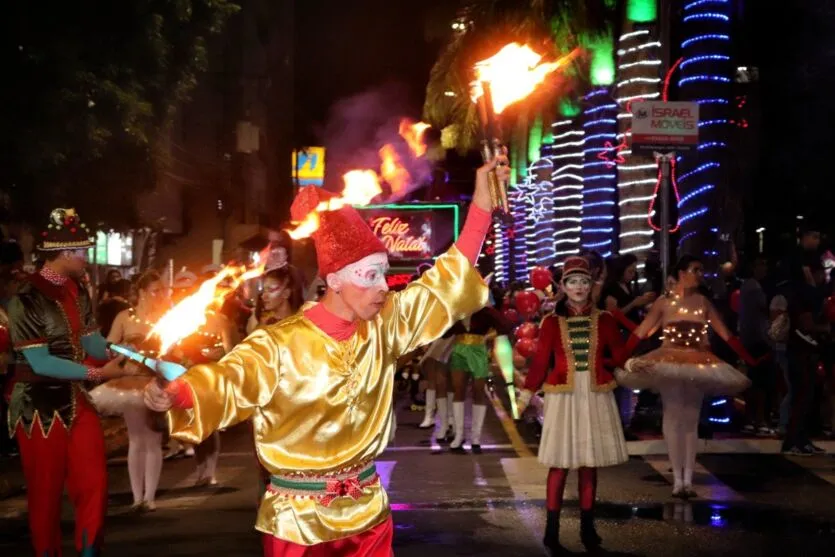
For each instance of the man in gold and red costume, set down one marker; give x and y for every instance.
(318, 386)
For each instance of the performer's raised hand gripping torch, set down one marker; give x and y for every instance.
(500, 81)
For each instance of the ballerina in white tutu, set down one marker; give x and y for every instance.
(684, 369)
(124, 396)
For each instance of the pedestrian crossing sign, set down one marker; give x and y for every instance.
(309, 166)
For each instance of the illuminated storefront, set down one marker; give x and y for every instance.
(112, 249)
(414, 234)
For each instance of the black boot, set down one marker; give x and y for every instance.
(588, 534)
(552, 534)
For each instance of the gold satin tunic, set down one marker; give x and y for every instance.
(321, 406)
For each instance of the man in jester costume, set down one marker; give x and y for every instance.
(318, 386)
(55, 342)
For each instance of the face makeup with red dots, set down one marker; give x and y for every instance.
(362, 285)
(577, 288)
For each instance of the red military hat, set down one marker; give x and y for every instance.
(343, 237)
(576, 265)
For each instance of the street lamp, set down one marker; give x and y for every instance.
(761, 233)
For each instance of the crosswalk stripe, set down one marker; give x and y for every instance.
(822, 468)
(705, 484)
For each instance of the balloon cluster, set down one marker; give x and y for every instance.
(526, 306)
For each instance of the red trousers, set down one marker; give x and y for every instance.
(75, 457)
(375, 542)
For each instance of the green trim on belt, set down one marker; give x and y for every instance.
(286, 483)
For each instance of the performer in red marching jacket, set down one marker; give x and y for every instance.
(581, 426)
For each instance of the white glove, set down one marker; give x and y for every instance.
(523, 400)
(157, 398)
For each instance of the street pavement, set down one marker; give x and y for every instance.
(490, 504)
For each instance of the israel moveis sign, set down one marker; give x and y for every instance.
(665, 126)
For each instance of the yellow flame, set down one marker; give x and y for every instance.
(514, 73)
(413, 134)
(189, 315)
(361, 186)
(392, 170)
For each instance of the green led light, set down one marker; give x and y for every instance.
(415, 207)
(602, 49)
(518, 166)
(569, 108)
(641, 11)
(535, 140)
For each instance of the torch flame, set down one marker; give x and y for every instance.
(393, 171)
(514, 73)
(361, 186)
(413, 134)
(189, 315)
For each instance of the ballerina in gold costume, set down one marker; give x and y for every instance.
(684, 369)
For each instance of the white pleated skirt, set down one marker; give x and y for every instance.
(582, 428)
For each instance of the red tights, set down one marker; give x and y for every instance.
(587, 480)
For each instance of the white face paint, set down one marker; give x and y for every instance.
(577, 288)
(367, 272)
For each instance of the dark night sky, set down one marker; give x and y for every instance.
(349, 48)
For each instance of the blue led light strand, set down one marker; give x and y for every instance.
(708, 37)
(706, 78)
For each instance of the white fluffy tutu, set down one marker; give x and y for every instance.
(113, 397)
(439, 350)
(668, 365)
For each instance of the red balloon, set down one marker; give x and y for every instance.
(512, 315)
(527, 303)
(829, 309)
(527, 330)
(540, 278)
(735, 296)
(526, 347)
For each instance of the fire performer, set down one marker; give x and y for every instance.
(581, 428)
(59, 433)
(318, 386)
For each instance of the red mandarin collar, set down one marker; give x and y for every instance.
(333, 325)
(574, 312)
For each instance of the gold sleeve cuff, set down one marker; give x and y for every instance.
(448, 292)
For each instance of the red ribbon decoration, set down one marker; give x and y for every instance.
(349, 487)
(664, 97)
(617, 158)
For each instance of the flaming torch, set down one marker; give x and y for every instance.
(186, 318)
(507, 77)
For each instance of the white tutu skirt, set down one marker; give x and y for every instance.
(581, 428)
(439, 350)
(668, 365)
(113, 397)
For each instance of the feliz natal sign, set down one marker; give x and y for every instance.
(413, 233)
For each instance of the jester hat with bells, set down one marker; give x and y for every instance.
(343, 237)
(65, 232)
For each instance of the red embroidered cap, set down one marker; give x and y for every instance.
(342, 238)
(576, 265)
